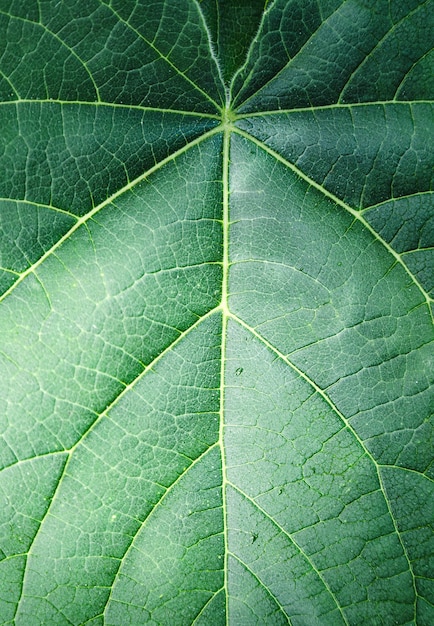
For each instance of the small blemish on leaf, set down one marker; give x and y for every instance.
(239, 371)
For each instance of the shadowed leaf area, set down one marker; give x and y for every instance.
(216, 312)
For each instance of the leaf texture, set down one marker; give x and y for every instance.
(216, 312)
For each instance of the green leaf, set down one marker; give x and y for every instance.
(216, 312)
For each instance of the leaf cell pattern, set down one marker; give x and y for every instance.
(216, 262)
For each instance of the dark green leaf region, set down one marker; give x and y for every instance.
(216, 312)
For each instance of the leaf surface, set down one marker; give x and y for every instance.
(216, 262)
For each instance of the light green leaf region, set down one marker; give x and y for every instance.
(216, 313)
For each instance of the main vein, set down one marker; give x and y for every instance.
(225, 312)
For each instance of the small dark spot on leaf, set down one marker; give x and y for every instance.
(239, 371)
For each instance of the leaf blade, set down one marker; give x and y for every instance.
(215, 340)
